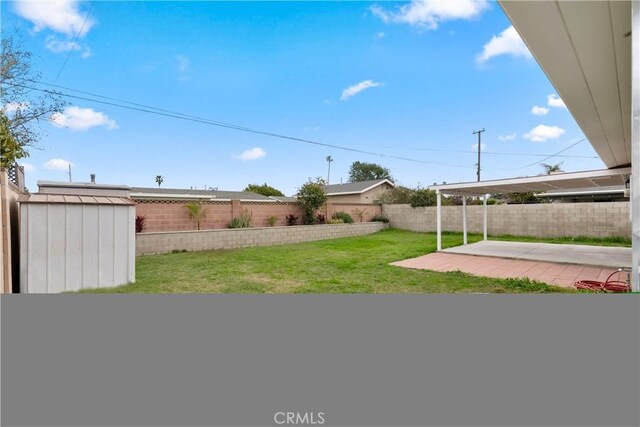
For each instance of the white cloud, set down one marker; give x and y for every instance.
(357, 88)
(430, 13)
(554, 100)
(12, 107)
(482, 147)
(76, 118)
(539, 111)
(380, 35)
(184, 63)
(507, 42)
(59, 46)
(28, 167)
(509, 137)
(542, 133)
(57, 165)
(62, 16)
(252, 154)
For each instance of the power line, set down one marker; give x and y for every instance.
(185, 117)
(236, 126)
(497, 153)
(551, 156)
(73, 46)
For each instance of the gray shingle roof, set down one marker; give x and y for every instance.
(285, 199)
(185, 193)
(354, 187)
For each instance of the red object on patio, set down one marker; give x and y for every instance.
(613, 286)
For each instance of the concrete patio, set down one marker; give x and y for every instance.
(556, 264)
(598, 256)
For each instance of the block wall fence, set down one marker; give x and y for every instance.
(604, 219)
(163, 242)
(173, 216)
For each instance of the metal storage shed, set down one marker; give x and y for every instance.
(71, 242)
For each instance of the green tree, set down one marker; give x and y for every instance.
(196, 212)
(549, 169)
(329, 159)
(423, 197)
(159, 180)
(397, 196)
(311, 197)
(24, 107)
(11, 150)
(361, 171)
(264, 189)
(522, 198)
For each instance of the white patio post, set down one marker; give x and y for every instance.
(438, 221)
(485, 217)
(464, 220)
(635, 145)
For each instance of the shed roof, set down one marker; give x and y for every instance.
(74, 199)
(355, 187)
(540, 183)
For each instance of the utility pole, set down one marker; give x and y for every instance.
(69, 172)
(479, 132)
(329, 160)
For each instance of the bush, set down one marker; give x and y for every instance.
(244, 220)
(272, 220)
(345, 217)
(311, 197)
(380, 218)
(291, 219)
(140, 223)
(321, 219)
(335, 221)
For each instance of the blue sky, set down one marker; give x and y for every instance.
(394, 78)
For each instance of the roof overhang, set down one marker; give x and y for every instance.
(561, 181)
(585, 50)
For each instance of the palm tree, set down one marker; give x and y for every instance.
(196, 212)
(159, 180)
(329, 160)
(549, 169)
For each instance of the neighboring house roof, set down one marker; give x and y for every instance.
(355, 187)
(284, 199)
(140, 193)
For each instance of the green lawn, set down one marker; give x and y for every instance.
(349, 265)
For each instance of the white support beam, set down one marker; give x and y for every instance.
(438, 220)
(635, 145)
(484, 208)
(464, 220)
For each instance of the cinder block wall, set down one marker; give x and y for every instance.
(606, 219)
(173, 216)
(163, 242)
